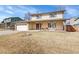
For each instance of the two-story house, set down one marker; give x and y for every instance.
(52, 21)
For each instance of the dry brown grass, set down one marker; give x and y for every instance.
(40, 42)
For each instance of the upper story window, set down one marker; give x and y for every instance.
(52, 15)
(38, 17)
(7, 20)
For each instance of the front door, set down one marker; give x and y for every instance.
(38, 26)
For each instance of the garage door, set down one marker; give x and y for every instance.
(22, 27)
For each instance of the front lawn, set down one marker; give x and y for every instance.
(40, 42)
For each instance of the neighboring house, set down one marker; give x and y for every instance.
(72, 24)
(9, 23)
(52, 21)
(11, 19)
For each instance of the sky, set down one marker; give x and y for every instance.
(20, 10)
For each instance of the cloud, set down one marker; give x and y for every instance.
(25, 9)
(1, 8)
(15, 10)
(6, 9)
(71, 11)
(9, 12)
(10, 7)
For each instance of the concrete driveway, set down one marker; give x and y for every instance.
(7, 32)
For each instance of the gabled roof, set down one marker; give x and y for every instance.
(13, 19)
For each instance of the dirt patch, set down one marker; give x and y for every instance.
(40, 42)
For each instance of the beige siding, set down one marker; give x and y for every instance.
(76, 28)
(32, 26)
(47, 17)
(44, 25)
(59, 25)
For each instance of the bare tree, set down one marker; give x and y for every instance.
(27, 16)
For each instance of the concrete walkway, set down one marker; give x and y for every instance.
(7, 32)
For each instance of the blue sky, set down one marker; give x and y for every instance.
(21, 10)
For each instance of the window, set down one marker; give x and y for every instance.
(7, 20)
(52, 15)
(49, 25)
(38, 16)
(52, 25)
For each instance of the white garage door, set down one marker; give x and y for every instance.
(22, 27)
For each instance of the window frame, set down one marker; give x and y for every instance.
(52, 25)
(38, 16)
(52, 15)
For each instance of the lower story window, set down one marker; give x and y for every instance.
(52, 25)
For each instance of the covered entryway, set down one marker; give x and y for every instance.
(46, 25)
(22, 27)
